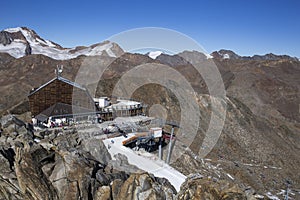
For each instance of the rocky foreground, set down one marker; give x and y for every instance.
(58, 164)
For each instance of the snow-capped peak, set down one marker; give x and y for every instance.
(22, 41)
(31, 37)
(154, 54)
(13, 30)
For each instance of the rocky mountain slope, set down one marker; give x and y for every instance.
(259, 146)
(260, 136)
(228, 54)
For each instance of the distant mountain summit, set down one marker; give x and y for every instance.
(22, 41)
(228, 54)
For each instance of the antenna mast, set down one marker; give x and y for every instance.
(58, 70)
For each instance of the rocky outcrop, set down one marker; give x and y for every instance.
(32, 181)
(196, 187)
(144, 186)
(28, 49)
(57, 164)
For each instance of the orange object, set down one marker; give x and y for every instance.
(129, 140)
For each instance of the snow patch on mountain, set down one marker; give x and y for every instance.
(226, 56)
(154, 54)
(209, 56)
(13, 30)
(98, 50)
(15, 49)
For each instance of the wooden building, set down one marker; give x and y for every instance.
(60, 96)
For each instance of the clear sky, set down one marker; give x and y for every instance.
(245, 26)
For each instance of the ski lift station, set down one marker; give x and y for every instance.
(63, 100)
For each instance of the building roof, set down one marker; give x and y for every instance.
(61, 79)
(124, 104)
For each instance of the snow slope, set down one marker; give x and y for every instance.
(145, 161)
(15, 49)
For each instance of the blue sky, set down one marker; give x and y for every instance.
(246, 27)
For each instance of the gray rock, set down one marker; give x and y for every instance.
(58, 177)
(143, 186)
(32, 181)
(106, 179)
(121, 164)
(22, 130)
(97, 149)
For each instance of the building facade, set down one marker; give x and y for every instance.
(63, 96)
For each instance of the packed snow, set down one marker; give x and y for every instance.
(145, 161)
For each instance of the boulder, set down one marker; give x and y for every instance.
(103, 193)
(121, 164)
(143, 186)
(208, 189)
(106, 178)
(97, 149)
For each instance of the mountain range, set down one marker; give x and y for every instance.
(22, 41)
(259, 146)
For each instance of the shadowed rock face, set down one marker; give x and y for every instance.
(32, 181)
(5, 38)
